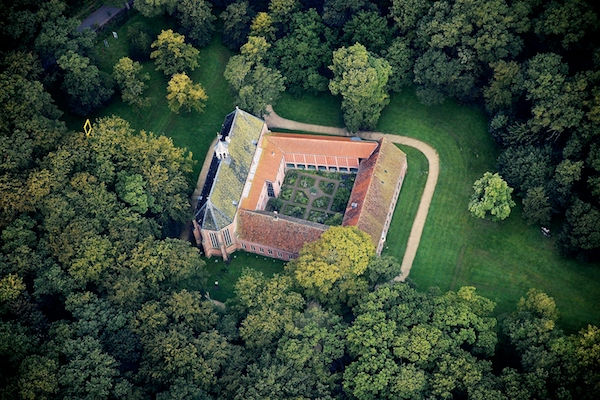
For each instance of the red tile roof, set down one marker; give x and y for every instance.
(374, 189)
(296, 143)
(284, 233)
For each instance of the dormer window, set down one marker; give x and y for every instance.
(222, 149)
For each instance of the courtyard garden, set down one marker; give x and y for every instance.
(315, 196)
(503, 260)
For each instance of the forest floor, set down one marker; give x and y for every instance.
(503, 260)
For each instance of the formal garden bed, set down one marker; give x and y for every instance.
(316, 196)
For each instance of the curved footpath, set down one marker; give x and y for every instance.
(275, 121)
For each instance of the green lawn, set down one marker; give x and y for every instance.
(503, 260)
(227, 275)
(194, 130)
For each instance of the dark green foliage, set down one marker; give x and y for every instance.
(368, 28)
(361, 79)
(327, 187)
(317, 216)
(340, 199)
(306, 181)
(139, 41)
(301, 197)
(294, 211)
(86, 87)
(303, 53)
(337, 12)
(581, 231)
(401, 59)
(536, 206)
(196, 18)
(255, 85)
(525, 167)
(290, 178)
(321, 202)
(274, 204)
(334, 219)
(286, 193)
(236, 23)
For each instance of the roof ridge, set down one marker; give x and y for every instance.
(372, 158)
(288, 218)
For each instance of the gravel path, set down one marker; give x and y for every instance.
(275, 121)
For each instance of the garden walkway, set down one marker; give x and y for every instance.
(275, 121)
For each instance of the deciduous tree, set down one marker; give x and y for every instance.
(197, 20)
(86, 87)
(130, 79)
(236, 23)
(183, 93)
(361, 79)
(491, 195)
(172, 54)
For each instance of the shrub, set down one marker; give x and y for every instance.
(321, 202)
(290, 178)
(327, 187)
(294, 211)
(286, 193)
(139, 42)
(340, 199)
(301, 197)
(274, 204)
(317, 216)
(334, 219)
(306, 181)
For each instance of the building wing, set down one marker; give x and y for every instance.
(223, 188)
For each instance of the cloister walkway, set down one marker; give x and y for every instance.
(275, 121)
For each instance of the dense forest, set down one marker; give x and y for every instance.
(99, 301)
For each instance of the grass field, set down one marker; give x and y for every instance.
(195, 131)
(228, 274)
(503, 260)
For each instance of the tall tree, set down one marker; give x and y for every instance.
(491, 194)
(303, 53)
(130, 79)
(172, 54)
(183, 93)
(87, 88)
(361, 79)
(255, 85)
(368, 28)
(152, 8)
(331, 268)
(236, 23)
(197, 20)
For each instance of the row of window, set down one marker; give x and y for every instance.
(321, 168)
(262, 250)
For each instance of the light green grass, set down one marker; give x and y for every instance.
(503, 260)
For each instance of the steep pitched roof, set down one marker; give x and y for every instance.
(276, 146)
(219, 208)
(290, 143)
(285, 233)
(374, 189)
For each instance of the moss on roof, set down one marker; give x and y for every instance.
(232, 173)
